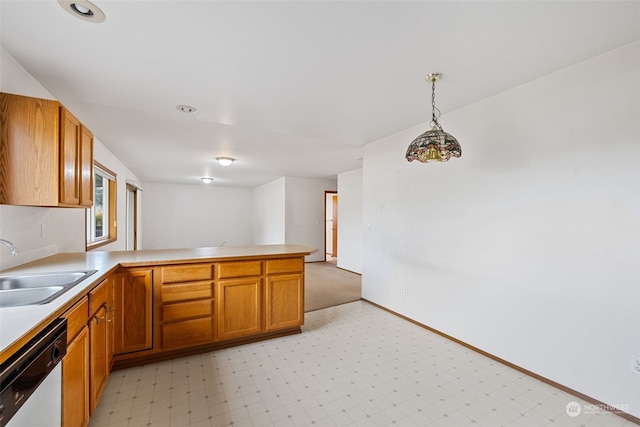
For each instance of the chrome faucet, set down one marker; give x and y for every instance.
(14, 250)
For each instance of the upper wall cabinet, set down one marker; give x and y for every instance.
(46, 154)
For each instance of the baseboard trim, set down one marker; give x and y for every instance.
(559, 386)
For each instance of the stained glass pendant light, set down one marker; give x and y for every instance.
(434, 145)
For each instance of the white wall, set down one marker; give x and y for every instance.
(22, 225)
(65, 227)
(186, 216)
(287, 210)
(15, 79)
(350, 226)
(528, 246)
(269, 220)
(291, 210)
(304, 213)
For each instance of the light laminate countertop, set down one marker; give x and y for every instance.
(17, 322)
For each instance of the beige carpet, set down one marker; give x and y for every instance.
(327, 285)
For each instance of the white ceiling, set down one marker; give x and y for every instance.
(290, 88)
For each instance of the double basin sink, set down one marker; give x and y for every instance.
(32, 289)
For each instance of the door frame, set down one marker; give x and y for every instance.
(132, 217)
(327, 194)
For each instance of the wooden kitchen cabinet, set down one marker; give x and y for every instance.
(85, 168)
(186, 311)
(238, 307)
(284, 301)
(284, 293)
(270, 299)
(76, 162)
(163, 311)
(100, 339)
(75, 382)
(238, 299)
(133, 315)
(75, 367)
(46, 154)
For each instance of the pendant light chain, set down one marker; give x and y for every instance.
(434, 116)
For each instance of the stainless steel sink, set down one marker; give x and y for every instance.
(31, 289)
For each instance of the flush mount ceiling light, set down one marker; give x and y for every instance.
(225, 161)
(188, 109)
(83, 9)
(207, 179)
(435, 144)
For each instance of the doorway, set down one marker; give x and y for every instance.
(331, 226)
(132, 218)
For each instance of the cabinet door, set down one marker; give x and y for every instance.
(69, 158)
(30, 128)
(99, 362)
(86, 167)
(111, 310)
(238, 303)
(99, 340)
(133, 317)
(75, 381)
(284, 302)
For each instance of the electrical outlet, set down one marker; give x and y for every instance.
(405, 291)
(635, 364)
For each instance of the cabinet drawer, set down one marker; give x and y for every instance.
(290, 265)
(186, 273)
(98, 297)
(187, 334)
(187, 291)
(186, 310)
(228, 270)
(77, 318)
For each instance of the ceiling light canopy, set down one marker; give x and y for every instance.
(207, 179)
(435, 144)
(83, 9)
(225, 161)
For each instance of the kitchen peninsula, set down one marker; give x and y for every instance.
(171, 302)
(143, 306)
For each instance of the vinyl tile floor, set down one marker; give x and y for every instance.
(353, 365)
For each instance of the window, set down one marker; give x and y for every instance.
(101, 217)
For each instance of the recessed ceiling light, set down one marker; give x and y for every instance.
(83, 9)
(78, 8)
(186, 109)
(225, 161)
(207, 179)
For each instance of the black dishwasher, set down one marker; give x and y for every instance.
(22, 373)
